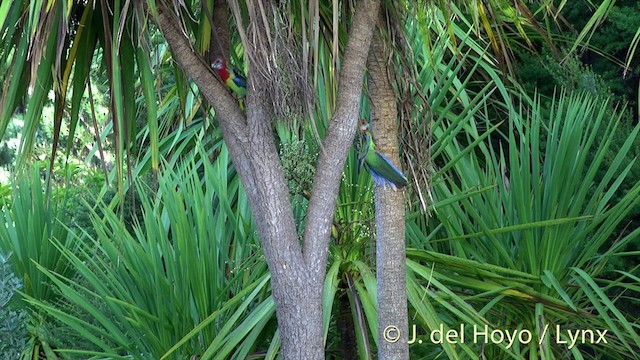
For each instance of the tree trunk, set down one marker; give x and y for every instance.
(297, 274)
(390, 222)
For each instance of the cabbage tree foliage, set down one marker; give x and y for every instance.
(155, 55)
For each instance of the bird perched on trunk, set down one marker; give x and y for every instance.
(381, 169)
(231, 76)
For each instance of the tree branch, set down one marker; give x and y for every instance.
(251, 146)
(231, 117)
(339, 138)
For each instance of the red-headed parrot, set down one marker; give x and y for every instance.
(381, 169)
(232, 77)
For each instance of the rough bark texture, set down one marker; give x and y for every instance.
(220, 31)
(297, 275)
(390, 221)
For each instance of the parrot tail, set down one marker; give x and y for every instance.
(387, 174)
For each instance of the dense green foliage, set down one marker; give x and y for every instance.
(522, 213)
(13, 334)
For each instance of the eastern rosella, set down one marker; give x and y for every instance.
(381, 169)
(232, 77)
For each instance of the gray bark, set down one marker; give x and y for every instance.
(297, 273)
(390, 221)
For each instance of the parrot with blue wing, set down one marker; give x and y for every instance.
(233, 78)
(382, 171)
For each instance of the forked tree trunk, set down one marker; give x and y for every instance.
(297, 273)
(390, 221)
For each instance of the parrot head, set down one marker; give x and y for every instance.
(218, 63)
(364, 125)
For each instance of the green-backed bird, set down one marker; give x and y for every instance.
(232, 77)
(381, 169)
